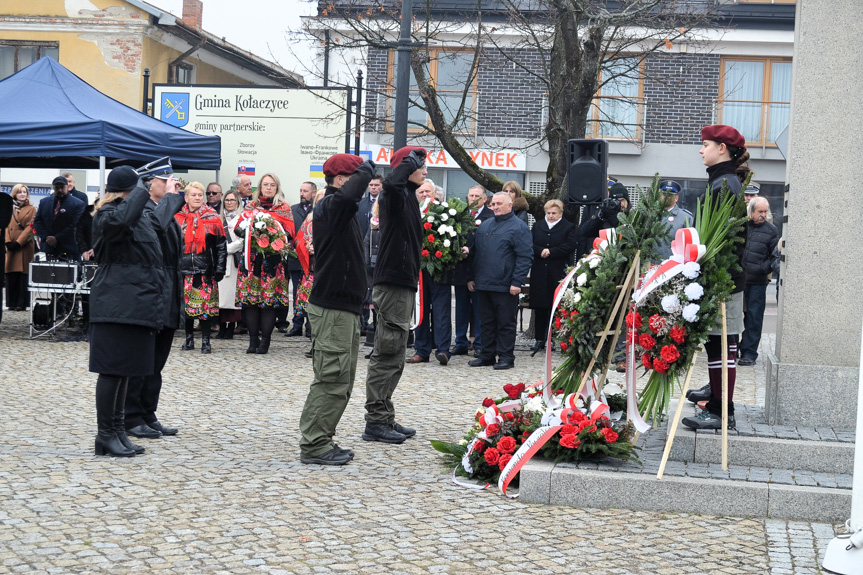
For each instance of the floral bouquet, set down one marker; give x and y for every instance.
(446, 226)
(264, 234)
(679, 301)
(508, 427)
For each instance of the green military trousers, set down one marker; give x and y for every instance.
(394, 306)
(336, 341)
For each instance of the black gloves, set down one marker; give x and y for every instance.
(416, 159)
(271, 262)
(13, 246)
(219, 276)
(368, 167)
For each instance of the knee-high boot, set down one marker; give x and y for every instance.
(107, 442)
(120, 419)
(205, 336)
(190, 336)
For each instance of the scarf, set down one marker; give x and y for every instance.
(266, 203)
(721, 169)
(552, 224)
(196, 225)
(20, 205)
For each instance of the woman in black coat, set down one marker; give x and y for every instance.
(126, 303)
(554, 240)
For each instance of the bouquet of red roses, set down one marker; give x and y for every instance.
(502, 426)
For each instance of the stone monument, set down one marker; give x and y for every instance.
(812, 377)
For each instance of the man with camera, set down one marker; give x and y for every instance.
(602, 216)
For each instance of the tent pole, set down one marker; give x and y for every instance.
(101, 175)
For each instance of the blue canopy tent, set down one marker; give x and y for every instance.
(49, 117)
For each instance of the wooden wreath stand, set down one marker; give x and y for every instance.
(615, 317)
(679, 410)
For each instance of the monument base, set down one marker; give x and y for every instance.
(810, 395)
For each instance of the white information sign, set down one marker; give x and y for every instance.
(287, 132)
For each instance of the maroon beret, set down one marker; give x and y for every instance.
(342, 164)
(724, 135)
(402, 153)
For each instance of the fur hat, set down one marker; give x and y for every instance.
(341, 164)
(121, 179)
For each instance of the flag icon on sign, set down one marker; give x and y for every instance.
(246, 169)
(316, 171)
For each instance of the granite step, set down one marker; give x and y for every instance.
(744, 490)
(755, 443)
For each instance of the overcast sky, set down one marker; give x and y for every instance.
(260, 26)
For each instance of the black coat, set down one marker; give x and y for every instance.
(462, 272)
(546, 273)
(171, 240)
(340, 265)
(364, 213)
(211, 262)
(401, 230)
(758, 256)
(128, 286)
(5, 217)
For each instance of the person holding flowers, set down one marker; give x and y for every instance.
(334, 307)
(202, 263)
(724, 153)
(267, 224)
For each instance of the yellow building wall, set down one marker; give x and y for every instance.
(105, 44)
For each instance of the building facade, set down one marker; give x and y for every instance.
(737, 73)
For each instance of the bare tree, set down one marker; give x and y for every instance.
(570, 50)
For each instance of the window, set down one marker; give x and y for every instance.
(449, 72)
(15, 56)
(616, 111)
(755, 97)
(183, 74)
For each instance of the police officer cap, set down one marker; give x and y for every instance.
(60, 180)
(122, 179)
(160, 168)
(669, 187)
(752, 188)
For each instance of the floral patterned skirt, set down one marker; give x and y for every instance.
(303, 293)
(265, 290)
(200, 297)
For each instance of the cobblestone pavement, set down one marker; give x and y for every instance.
(228, 494)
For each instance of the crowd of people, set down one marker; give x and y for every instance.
(168, 261)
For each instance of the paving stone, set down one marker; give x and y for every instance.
(228, 495)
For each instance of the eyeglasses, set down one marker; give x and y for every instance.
(268, 185)
(213, 193)
(230, 200)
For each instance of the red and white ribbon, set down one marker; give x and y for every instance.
(685, 248)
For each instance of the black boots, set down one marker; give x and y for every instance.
(120, 419)
(110, 405)
(205, 344)
(264, 346)
(253, 344)
(229, 331)
(223, 328)
(190, 342)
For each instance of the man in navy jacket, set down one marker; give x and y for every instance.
(56, 220)
(503, 254)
